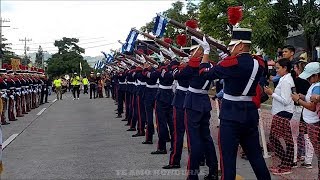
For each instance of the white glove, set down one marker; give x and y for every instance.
(204, 44)
(142, 59)
(160, 56)
(223, 55)
(169, 52)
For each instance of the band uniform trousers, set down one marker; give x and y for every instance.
(18, 104)
(164, 119)
(179, 130)
(199, 142)
(11, 115)
(141, 114)
(134, 108)
(4, 109)
(128, 103)
(149, 103)
(121, 96)
(233, 133)
(92, 89)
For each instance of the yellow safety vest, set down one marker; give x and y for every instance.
(75, 81)
(57, 83)
(85, 81)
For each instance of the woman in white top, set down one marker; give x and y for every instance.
(312, 74)
(282, 110)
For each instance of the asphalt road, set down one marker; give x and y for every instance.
(82, 139)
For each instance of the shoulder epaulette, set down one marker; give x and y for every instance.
(229, 61)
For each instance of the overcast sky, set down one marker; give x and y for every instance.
(95, 23)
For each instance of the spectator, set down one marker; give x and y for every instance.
(282, 110)
(312, 74)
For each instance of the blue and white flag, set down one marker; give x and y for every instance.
(159, 26)
(99, 65)
(130, 41)
(109, 58)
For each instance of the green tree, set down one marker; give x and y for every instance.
(68, 58)
(7, 52)
(271, 22)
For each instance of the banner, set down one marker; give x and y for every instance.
(159, 26)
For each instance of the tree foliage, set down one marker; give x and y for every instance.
(6, 53)
(68, 58)
(271, 22)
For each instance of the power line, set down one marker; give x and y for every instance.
(52, 42)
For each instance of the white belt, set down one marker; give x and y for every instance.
(237, 98)
(122, 83)
(182, 88)
(130, 82)
(18, 88)
(152, 86)
(143, 83)
(165, 87)
(198, 91)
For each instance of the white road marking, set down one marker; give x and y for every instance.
(39, 113)
(9, 140)
(54, 100)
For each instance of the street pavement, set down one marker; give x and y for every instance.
(82, 139)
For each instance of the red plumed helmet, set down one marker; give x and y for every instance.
(192, 23)
(9, 67)
(140, 51)
(149, 52)
(181, 39)
(234, 14)
(167, 40)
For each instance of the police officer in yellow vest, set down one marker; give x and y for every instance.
(85, 83)
(57, 85)
(75, 82)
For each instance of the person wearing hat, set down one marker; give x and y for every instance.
(149, 100)
(3, 89)
(179, 74)
(312, 74)
(75, 82)
(239, 115)
(93, 82)
(197, 107)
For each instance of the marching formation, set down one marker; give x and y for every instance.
(174, 87)
(154, 80)
(21, 91)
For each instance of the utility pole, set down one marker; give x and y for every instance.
(25, 47)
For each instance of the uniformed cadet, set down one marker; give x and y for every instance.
(10, 92)
(239, 115)
(113, 79)
(130, 88)
(149, 100)
(85, 83)
(3, 89)
(44, 88)
(197, 115)
(163, 107)
(141, 112)
(180, 75)
(121, 92)
(75, 82)
(17, 94)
